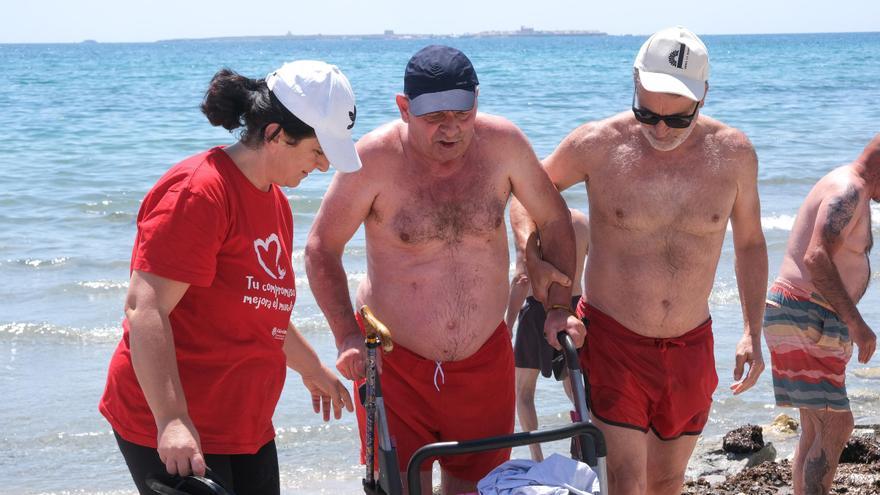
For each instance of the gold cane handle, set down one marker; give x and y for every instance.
(374, 327)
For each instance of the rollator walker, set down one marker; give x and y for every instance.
(588, 442)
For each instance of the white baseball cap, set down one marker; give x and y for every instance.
(319, 94)
(676, 61)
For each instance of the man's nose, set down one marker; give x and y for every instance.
(661, 130)
(449, 124)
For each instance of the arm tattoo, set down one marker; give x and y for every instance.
(840, 211)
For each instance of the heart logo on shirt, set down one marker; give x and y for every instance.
(265, 249)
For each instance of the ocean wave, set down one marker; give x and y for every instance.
(311, 324)
(66, 262)
(117, 216)
(786, 221)
(103, 285)
(62, 439)
(722, 294)
(304, 204)
(778, 222)
(774, 222)
(324, 431)
(351, 251)
(863, 396)
(354, 279)
(36, 262)
(867, 373)
(36, 331)
(104, 208)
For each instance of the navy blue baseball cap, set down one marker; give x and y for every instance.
(440, 78)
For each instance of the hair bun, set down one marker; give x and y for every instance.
(228, 98)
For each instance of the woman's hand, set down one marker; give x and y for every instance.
(326, 388)
(180, 448)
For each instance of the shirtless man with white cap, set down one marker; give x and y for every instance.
(662, 183)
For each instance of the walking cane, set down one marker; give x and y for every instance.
(377, 334)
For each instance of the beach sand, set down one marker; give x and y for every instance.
(774, 478)
(725, 474)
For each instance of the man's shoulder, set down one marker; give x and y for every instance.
(496, 127)
(604, 132)
(840, 180)
(500, 138)
(385, 136)
(380, 143)
(728, 138)
(730, 145)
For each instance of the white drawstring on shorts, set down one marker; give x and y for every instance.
(439, 370)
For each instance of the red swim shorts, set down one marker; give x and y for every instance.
(643, 383)
(428, 401)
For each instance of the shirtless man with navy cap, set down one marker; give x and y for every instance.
(431, 195)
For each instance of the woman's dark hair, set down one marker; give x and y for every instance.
(234, 101)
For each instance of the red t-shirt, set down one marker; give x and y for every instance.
(206, 224)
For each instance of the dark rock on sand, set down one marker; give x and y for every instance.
(858, 473)
(744, 440)
(743, 448)
(774, 478)
(861, 450)
(769, 478)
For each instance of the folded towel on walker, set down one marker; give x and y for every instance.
(556, 475)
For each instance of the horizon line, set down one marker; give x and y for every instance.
(536, 33)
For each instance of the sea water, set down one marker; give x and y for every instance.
(90, 127)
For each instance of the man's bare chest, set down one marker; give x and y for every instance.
(860, 240)
(697, 201)
(421, 210)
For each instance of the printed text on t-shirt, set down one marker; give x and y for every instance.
(261, 301)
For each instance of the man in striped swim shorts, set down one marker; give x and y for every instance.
(811, 321)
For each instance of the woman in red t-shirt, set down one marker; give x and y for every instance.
(207, 334)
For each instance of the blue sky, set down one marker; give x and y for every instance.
(150, 20)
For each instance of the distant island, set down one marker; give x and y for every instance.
(391, 35)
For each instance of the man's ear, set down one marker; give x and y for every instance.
(403, 106)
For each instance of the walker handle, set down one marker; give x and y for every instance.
(579, 383)
(568, 348)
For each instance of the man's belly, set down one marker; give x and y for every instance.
(441, 311)
(651, 300)
(854, 270)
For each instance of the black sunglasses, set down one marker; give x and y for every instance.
(673, 121)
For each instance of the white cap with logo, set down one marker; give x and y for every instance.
(675, 61)
(319, 94)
